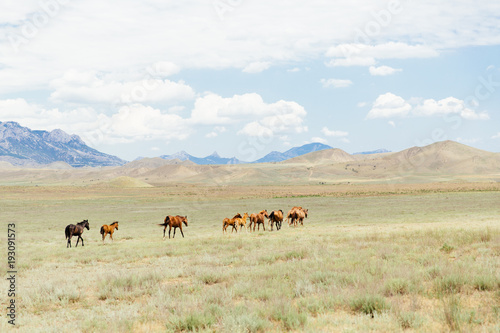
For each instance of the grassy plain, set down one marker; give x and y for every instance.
(422, 258)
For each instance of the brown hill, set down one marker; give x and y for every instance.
(322, 157)
(446, 157)
(441, 161)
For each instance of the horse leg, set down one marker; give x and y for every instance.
(175, 228)
(170, 229)
(180, 228)
(69, 242)
(111, 236)
(82, 240)
(164, 229)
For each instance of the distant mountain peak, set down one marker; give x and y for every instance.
(276, 156)
(378, 151)
(22, 146)
(214, 154)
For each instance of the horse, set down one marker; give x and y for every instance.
(258, 219)
(108, 229)
(76, 230)
(230, 222)
(276, 216)
(296, 214)
(301, 214)
(174, 222)
(242, 221)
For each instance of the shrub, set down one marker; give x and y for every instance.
(452, 313)
(369, 304)
(446, 248)
(449, 284)
(396, 287)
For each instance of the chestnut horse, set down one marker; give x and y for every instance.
(242, 221)
(276, 216)
(296, 214)
(258, 219)
(230, 222)
(76, 230)
(109, 229)
(174, 222)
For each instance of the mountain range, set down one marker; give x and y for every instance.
(22, 146)
(274, 156)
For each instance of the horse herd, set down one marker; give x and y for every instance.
(295, 215)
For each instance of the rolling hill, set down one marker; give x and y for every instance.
(438, 162)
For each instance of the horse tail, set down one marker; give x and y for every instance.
(102, 230)
(66, 231)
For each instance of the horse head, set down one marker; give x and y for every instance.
(116, 227)
(305, 211)
(86, 224)
(185, 220)
(265, 213)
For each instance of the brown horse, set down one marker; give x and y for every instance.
(242, 221)
(174, 222)
(230, 222)
(276, 216)
(258, 219)
(296, 214)
(76, 230)
(109, 229)
(301, 214)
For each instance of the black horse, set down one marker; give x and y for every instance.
(76, 230)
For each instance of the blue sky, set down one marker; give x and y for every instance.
(248, 77)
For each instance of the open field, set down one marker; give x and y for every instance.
(423, 258)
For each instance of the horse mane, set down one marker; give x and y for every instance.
(237, 216)
(83, 222)
(116, 222)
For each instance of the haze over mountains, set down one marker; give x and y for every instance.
(22, 146)
(24, 149)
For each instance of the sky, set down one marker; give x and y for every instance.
(243, 78)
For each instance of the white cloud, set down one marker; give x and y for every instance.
(366, 55)
(257, 130)
(256, 67)
(16, 108)
(389, 105)
(335, 83)
(351, 61)
(93, 87)
(327, 132)
(129, 123)
(320, 140)
(496, 136)
(392, 123)
(192, 35)
(261, 118)
(383, 70)
(450, 105)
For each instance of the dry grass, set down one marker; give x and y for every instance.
(369, 258)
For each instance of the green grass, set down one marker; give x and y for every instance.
(356, 257)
